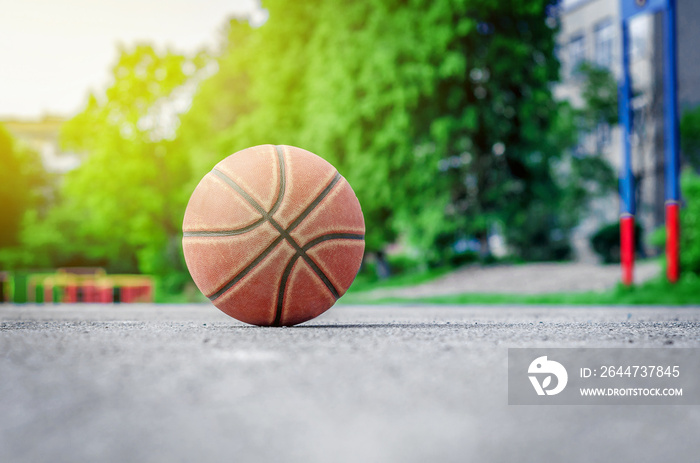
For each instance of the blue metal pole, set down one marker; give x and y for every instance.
(627, 193)
(671, 144)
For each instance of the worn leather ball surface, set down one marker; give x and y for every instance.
(273, 235)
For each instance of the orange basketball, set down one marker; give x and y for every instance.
(273, 235)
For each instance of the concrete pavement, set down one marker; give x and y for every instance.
(530, 278)
(146, 383)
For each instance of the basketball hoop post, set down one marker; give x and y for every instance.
(627, 190)
(631, 8)
(672, 164)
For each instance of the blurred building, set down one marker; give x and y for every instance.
(590, 31)
(42, 135)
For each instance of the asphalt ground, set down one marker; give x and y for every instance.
(147, 383)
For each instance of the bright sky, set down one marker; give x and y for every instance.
(52, 52)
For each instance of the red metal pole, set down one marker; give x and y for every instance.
(627, 248)
(672, 241)
(628, 201)
(671, 143)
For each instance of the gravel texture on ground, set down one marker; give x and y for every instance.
(147, 383)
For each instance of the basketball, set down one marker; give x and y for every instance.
(273, 235)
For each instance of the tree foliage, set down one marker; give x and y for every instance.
(690, 136)
(599, 94)
(122, 208)
(21, 180)
(690, 222)
(439, 112)
(591, 172)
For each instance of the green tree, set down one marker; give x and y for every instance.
(123, 206)
(599, 94)
(690, 136)
(592, 175)
(690, 223)
(439, 112)
(690, 193)
(21, 179)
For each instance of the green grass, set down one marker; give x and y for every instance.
(654, 292)
(364, 283)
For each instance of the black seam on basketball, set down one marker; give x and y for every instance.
(282, 288)
(246, 270)
(285, 277)
(332, 236)
(238, 231)
(315, 202)
(317, 270)
(284, 234)
(283, 179)
(241, 192)
(302, 253)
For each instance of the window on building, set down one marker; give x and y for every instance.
(570, 3)
(639, 119)
(604, 33)
(640, 31)
(603, 136)
(577, 53)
